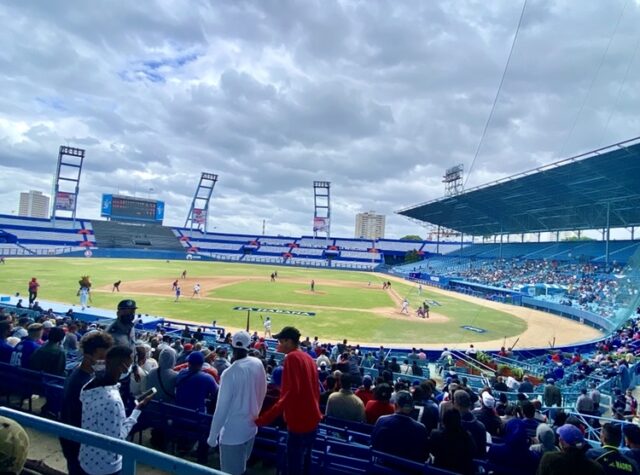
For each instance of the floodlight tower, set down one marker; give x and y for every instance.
(322, 208)
(67, 183)
(199, 210)
(452, 180)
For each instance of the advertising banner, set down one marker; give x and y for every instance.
(65, 201)
(297, 313)
(320, 224)
(198, 215)
(107, 204)
(159, 210)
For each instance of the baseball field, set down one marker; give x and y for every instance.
(343, 304)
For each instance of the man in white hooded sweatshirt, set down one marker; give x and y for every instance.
(243, 387)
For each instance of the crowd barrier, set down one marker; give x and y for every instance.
(132, 454)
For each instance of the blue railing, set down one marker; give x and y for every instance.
(132, 454)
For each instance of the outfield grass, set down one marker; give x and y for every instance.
(58, 279)
(299, 294)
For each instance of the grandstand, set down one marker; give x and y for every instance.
(599, 190)
(591, 281)
(31, 237)
(36, 236)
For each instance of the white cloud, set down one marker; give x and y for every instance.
(377, 97)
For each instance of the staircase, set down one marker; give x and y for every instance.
(115, 234)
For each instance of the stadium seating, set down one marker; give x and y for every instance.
(36, 236)
(114, 234)
(354, 244)
(620, 251)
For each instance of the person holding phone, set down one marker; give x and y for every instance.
(103, 412)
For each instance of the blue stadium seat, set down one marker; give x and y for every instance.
(341, 458)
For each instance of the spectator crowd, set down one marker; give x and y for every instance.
(244, 385)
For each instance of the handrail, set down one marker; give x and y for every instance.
(483, 368)
(132, 454)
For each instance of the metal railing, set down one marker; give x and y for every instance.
(132, 454)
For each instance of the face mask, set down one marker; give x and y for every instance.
(99, 366)
(128, 318)
(127, 373)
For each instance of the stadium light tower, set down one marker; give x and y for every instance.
(199, 210)
(452, 180)
(67, 181)
(322, 208)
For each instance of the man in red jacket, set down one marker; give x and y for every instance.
(298, 403)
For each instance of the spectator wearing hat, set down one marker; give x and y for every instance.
(298, 403)
(242, 390)
(14, 446)
(488, 416)
(5, 348)
(22, 352)
(398, 434)
(571, 460)
(364, 392)
(609, 456)
(323, 358)
(193, 386)
(452, 446)
(122, 329)
(379, 406)
(94, 347)
(50, 358)
(552, 395)
(323, 373)
(344, 404)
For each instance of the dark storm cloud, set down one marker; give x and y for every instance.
(377, 97)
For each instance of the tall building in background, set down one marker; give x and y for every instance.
(369, 225)
(34, 205)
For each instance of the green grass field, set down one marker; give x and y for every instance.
(346, 306)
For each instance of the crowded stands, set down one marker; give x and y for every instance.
(319, 402)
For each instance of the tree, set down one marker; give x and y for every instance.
(412, 256)
(411, 237)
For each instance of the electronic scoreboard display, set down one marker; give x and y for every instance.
(127, 208)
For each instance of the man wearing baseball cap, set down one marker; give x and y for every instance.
(572, 458)
(14, 446)
(122, 329)
(242, 390)
(298, 403)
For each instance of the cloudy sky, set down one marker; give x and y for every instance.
(379, 98)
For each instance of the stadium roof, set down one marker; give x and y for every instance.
(571, 194)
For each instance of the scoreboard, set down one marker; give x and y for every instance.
(127, 208)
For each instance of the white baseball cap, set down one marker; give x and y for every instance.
(241, 339)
